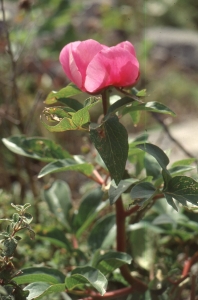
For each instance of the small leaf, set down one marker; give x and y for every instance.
(10, 245)
(111, 141)
(49, 275)
(58, 198)
(103, 233)
(156, 152)
(84, 275)
(37, 148)
(66, 165)
(112, 260)
(183, 189)
(116, 191)
(141, 93)
(39, 289)
(27, 218)
(15, 217)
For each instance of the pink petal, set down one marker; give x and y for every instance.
(68, 63)
(113, 66)
(84, 53)
(128, 46)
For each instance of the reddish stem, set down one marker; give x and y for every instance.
(188, 264)
(121, 246)
(131, 210)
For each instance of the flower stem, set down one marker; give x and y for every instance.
(105, 101)
(121, 246)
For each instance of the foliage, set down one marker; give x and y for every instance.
(131, 231)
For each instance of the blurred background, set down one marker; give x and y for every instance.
(165, 36)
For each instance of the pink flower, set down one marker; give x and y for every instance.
(93, 66)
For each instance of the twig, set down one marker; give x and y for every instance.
(14, 89)
(193, 288)
(158, 119)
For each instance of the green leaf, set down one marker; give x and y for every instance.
(64, 95)
(56, 237)
(177, 170)
(142, 192)
(37, 148)
(171, 202)
(88, 209)
(143, 241)
(111, 141)
(76, 121)
(84, 275)
(38, 290)
(149, 106)
(183, 189)
(116, 191)
(152, 167)
(58, 198)
(156, 152)
(57, 113)
(10, 245)
(183, 162)
(120, 104)
(103, 233)
(112, 260)
(141, 93)
(49, 275)
(66, 165)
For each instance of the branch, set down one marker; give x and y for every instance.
(164, 126)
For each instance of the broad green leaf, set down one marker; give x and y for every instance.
(87, 275)
(87, 210)
(58, 198)
(142, 192)
(156, 152)
(111, 141)
(66, 165)
(116, 191)
(55, 236)
(183, 189)
(38, 290)
(112, 260)
(49, 275)
(37, 148)
(103, 233)
(149, 106)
